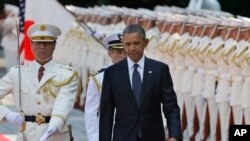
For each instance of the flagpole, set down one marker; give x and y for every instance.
(19, 109)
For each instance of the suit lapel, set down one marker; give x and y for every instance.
(147, 80)
(126, 79)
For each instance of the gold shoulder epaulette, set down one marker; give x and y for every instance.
(97, 72)
(68, 67)
(93, 73)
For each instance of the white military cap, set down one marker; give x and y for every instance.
(235, 22)
(161, 16)
(113, 41)
(181, 18)
(135, 13)
(201, 21)
(213, 20)
(225, 21)
(43, 32)
(171, 17)
(149, 15)
(245, 20)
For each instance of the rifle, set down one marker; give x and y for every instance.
(71, 138)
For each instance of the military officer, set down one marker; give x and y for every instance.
(116, 53)
(47, 93)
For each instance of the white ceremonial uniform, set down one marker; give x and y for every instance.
(211, 78)
(193, 68)
(8, 41)
(93, 94)
(199, 86)
(53, 96)
(160, 47)
(237, 80)
(153, 35)
(186, 88)
(169, 57)
(160, 55)
(224, 86)
(246, 87)
(178, 70)
(93, 97)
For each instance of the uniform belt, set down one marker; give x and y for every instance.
(39, 118)
(213, 71)
(239, 78)
(179, 67)
(201, 71)
(247, 78)
(225, 76)
(191, 68)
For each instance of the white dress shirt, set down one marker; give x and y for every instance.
(131, 68)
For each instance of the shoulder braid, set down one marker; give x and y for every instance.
(63, 83)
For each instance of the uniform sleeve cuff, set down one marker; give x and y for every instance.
(3, 112)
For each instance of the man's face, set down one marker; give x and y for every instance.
(134, 45)
(43, 51)
(116, 55)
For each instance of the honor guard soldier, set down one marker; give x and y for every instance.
(116, 53)
(236, 66)
(44, 91)
(225, 77)
(211, 75)
(246, 86)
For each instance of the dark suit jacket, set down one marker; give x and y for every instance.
(157, 89)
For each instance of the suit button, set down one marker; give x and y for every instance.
(38, 92)
(38, 103)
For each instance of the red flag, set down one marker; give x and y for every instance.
(25, 45)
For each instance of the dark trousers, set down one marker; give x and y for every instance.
(139, 138)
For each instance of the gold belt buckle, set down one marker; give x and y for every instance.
(40, 118)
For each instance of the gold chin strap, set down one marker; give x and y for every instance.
(43, 38)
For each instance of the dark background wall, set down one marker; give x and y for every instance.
(236, 7)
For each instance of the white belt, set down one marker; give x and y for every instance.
(238, 78)
(247, 78)
(171, 66)
(191, 68)
(179, 67)
(202, 71)
(225, 75)
(213, 71)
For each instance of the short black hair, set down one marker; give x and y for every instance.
(135, 28)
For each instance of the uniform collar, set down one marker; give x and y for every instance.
(46, 66)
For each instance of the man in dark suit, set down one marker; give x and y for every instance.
(136, 87)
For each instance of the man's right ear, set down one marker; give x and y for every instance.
(109, 53)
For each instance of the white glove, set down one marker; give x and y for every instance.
(15, 118)
(49, 132)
